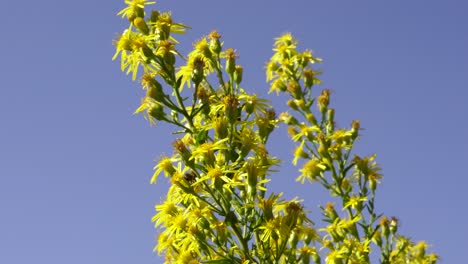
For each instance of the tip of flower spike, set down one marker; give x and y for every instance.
(286, 39)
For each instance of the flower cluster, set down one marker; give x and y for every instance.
(218, 208)
(326, 152)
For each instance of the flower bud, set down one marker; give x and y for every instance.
(311, 118)
(215, 44)
(288, 119)
(355, 126)
(154, 16)
(384, 225)
(331, 115)
(238, 74)
(231, 108)
(267, 207)
(203, 94)
(323, 100)
(198, 70)
(220, 126)
(156, 111)
(148, 80)
(293, 211)
(393, 225)
(323, 150)
(347, 187)
(295, 90)
(155, 92)
(181, 147)
(165, 23)
(301, 104)
(292, 103)
(204, 97)
(252, 177)
(136, 12)
(230, 61)
(308, 78)
(292, 131)
(140, 24)
(166, 50)
(330, 212)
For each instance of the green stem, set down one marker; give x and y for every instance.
(245, 246)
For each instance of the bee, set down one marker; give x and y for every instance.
(190, 176)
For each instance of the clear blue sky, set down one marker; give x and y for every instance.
(75, 163)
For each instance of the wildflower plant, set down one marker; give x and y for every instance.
(218, 208)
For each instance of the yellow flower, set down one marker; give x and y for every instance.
(308, 252)
(355, 202)
(253, 104)
(304, 58)
(284, 47)
(164, 165)
(166, 212)
(335, 257)
(277, 86)
(134, 9)
(216, 177)
(306, 132)
(311, 170)
(153, 110)
(165, 242)
(300, 153)
(271, 69)
(186, 257)
(270, 229)
(166, 49)
(133, 50)
(368, 168)
(340, 227)
(202, 48)
(267, 205)
(309, 234)
(248, 140)
(164, 26)
(205, 152)
(197, 67)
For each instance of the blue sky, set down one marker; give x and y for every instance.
(75, 163)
